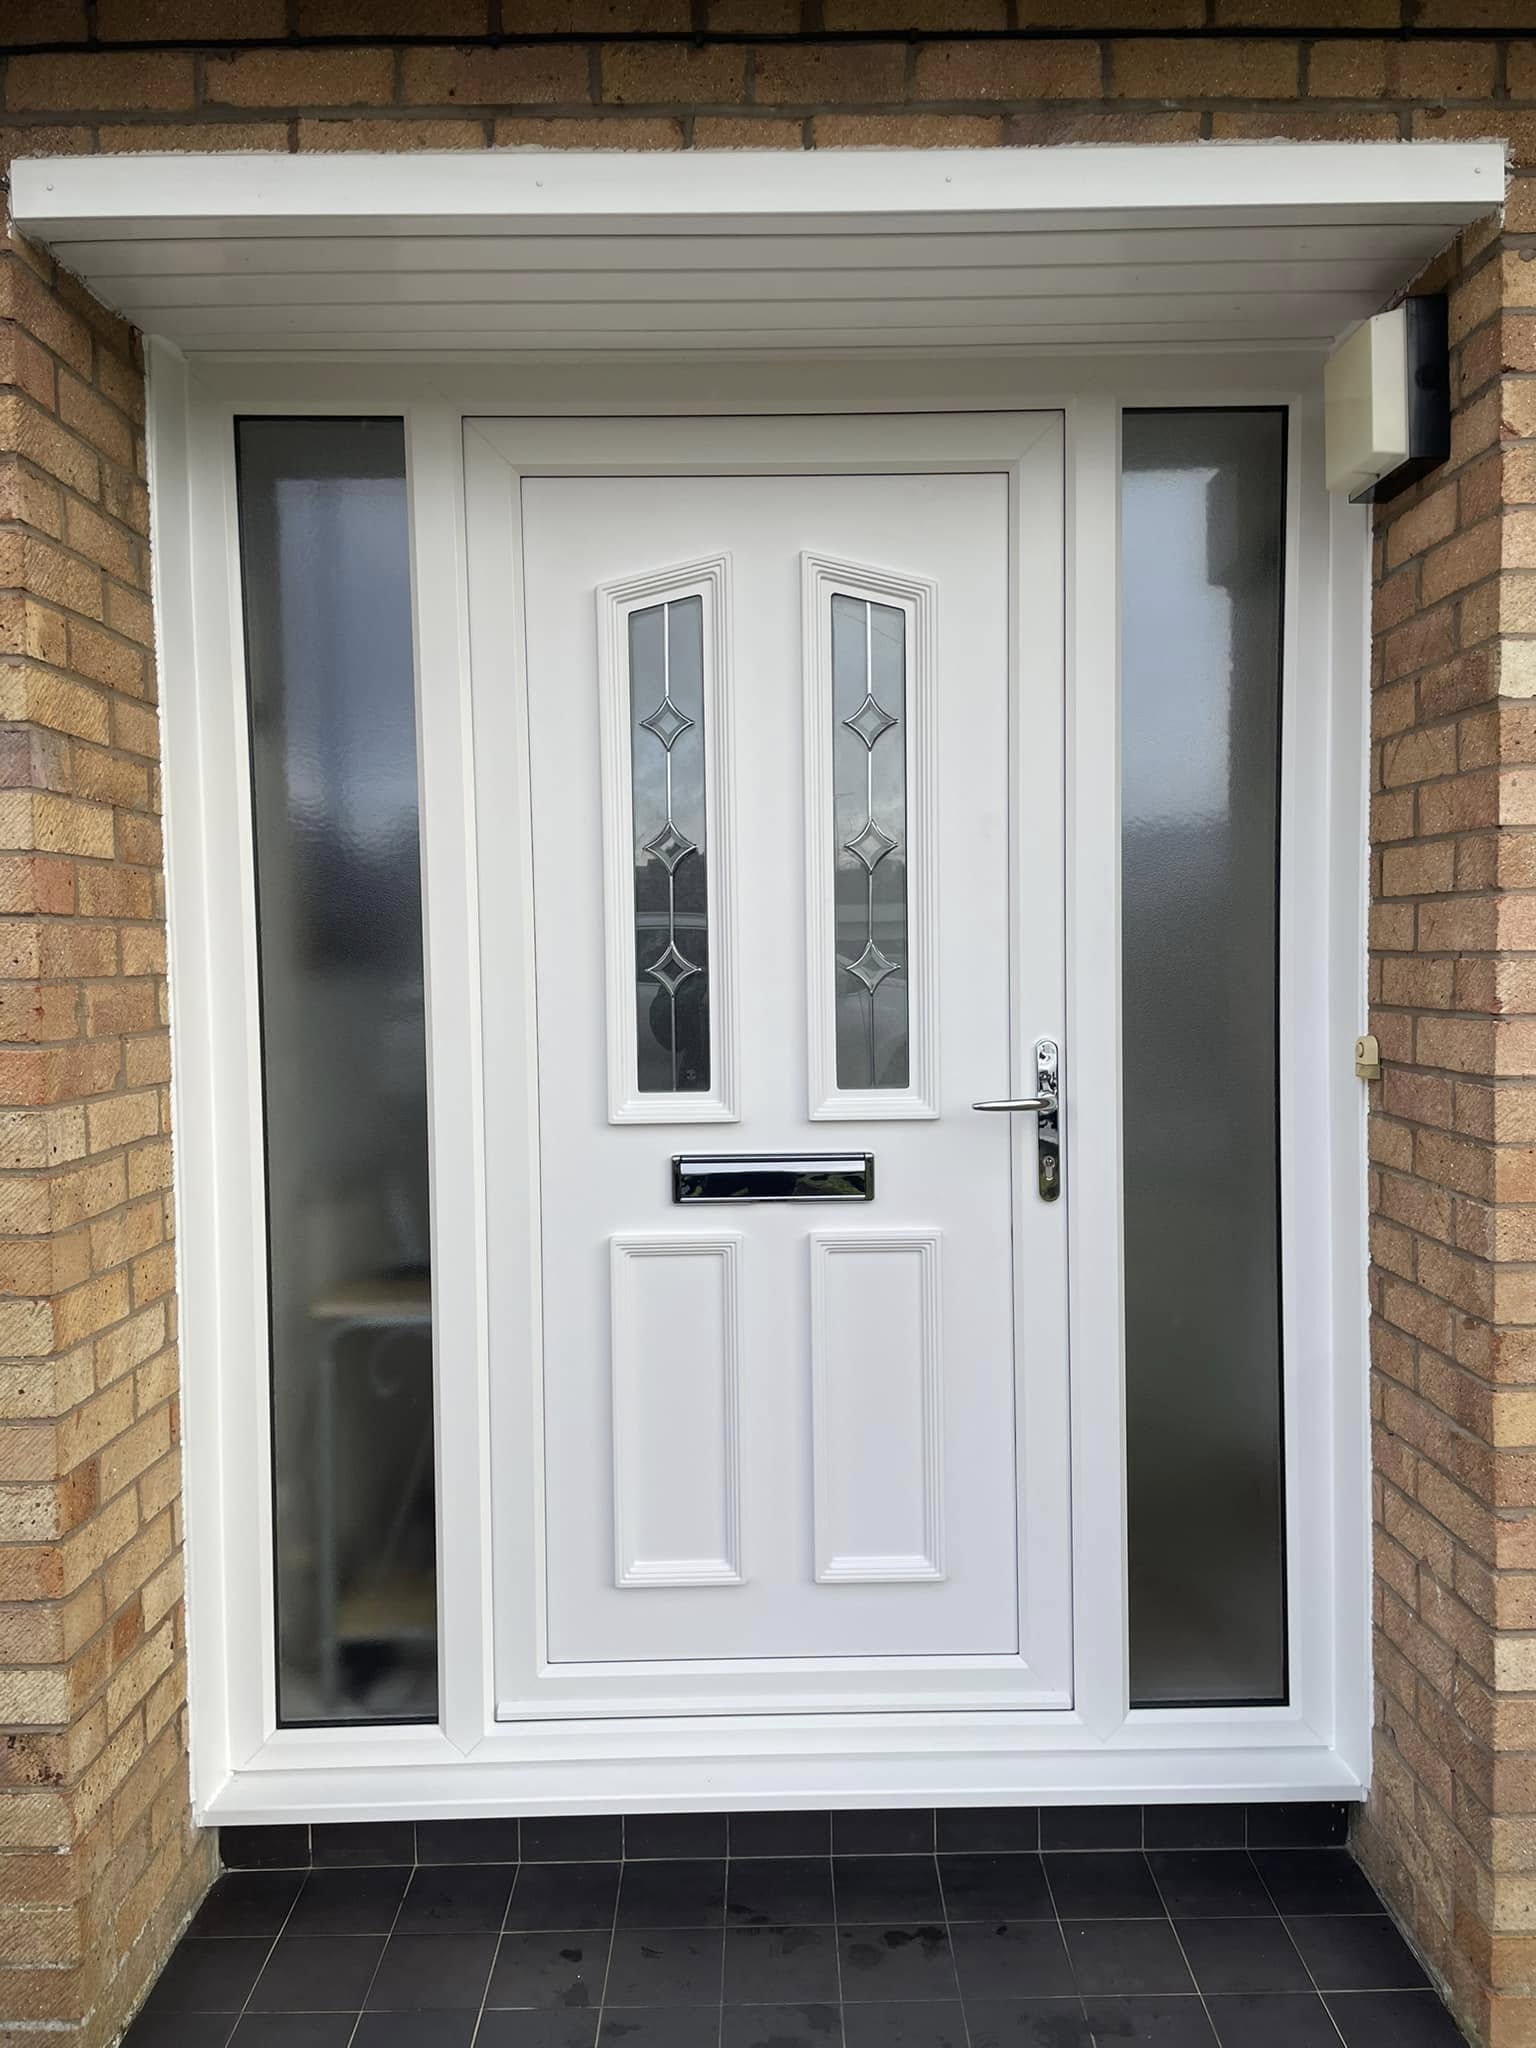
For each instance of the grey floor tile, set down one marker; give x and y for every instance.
(936, 2025)
(1011, 1959)
(883, 1831)
(1090, 1827)
(537, 2030)
(671, 1966)
(780, 1834)
(1209, 1882)
(456, 1898)
(248, 1902)
(1286, 2019)
(649, 1835)
(1393, 2019)
(550, 1970)
(1155, 2022)
(1243, 1955)
(896, 1962)
(564, 1895)
(986, 1830)
(779, 1891)
(782, 2026)
(1121, 1958)
(415, 2030)
(1316, 1881)
(318, 1973)
(689, 1892)
(660, 2026)
(1002, 1887)
(1356, 1952)
(1110, 1884)
(1028, 2023)
(781, 1966)
(886, 1889)
(213, 1975)
(348, 1901)
(466, 1841)
(432, 1973)
(181, 2030)
(295, 2030)
(572, 1838)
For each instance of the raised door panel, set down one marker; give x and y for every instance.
(878, 1406)
(676, 1353)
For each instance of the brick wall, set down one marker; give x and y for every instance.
(88, 1614)
(669, 74)
(98, 1863)
(1451, 1828)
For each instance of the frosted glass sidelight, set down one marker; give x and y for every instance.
(666, 706)
(1203, 549)
(333, 765)
(869, 769)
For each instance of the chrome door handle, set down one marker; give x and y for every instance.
(1047, 1107)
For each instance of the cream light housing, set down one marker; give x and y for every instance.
(1386, 401)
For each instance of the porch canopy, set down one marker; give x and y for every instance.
(1214, 245)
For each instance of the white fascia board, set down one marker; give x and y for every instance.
(59, 198)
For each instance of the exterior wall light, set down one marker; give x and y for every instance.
(1387, 401)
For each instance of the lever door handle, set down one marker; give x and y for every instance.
(1047, 1107)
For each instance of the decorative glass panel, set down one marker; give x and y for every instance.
(327, 585)
(666, 707)
(1203, 551)
(869, 765)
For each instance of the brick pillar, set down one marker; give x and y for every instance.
(1451, 1826)
(99, 1863)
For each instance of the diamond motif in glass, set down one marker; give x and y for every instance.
(869, 722)
(871, 846)
(671, 970)
(668, 723)
(670, 847)
(871, 967)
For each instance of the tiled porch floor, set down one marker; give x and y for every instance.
(1183, 1927)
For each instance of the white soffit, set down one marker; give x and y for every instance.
(1277, 244)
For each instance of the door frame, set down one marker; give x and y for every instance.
(244, 1768)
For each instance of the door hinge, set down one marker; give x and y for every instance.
(1367, 1058)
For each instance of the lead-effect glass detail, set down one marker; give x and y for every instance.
(666, 706)
(869, 753)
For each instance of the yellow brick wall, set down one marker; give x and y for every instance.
(98, 1862)
(92, 1814)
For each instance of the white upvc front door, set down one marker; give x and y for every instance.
(770, 876)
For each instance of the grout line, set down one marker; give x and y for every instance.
(271, 1950)
(725, 1907)
(949, 1943)
(501, 1935)
(1061, 1936)
(1184, 1952)
(362, 2003)
(837, 1944)
(1317, 1991)
(613, 1935)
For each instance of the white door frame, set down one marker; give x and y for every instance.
(244, 1767)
